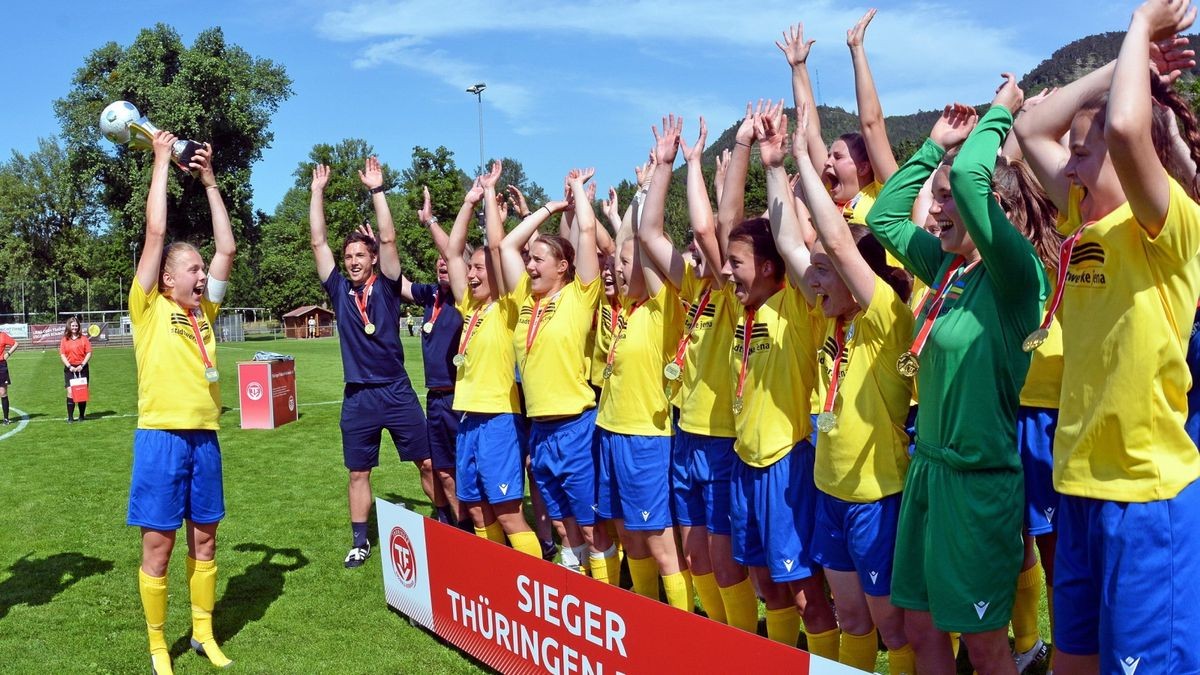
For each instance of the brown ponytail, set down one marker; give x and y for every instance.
(1028, 208)
(1189, 131)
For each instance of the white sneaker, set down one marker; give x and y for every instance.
(1033, 655)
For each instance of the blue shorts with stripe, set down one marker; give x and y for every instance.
(701, 470)
(635, 480)
(1125, 582)
(176, 476)
(491, 463)
(1035, 442)
(773, 511)
(442, 422)
(1193, 397)
(368, 409)
(858, 537)
(562, 466)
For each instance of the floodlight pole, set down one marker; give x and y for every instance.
(477, 89)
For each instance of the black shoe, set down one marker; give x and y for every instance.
(7, 421)
(358, 555)
(81, 417)
(549, 550)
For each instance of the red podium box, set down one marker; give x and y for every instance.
(267, 391)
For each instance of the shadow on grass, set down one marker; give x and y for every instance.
(36, 581)
(249, 594)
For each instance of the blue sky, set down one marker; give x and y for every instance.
(568, 84)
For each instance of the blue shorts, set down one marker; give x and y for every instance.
(368, 409)
(701, 470)
(639, 489)
(857, 537)
(910, 428)
(562, 466)
(443, 427)
(176, 476)
(1035, 442)
(772, 512)
(1125, 582)
(490, 466)
(1193, 361)
(812, 437)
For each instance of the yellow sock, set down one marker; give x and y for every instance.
(526, 542)
(783, 625)
(902, 661)
(154, 605)
(481, 533)
(824, 644)
(741, 605)
(955, 641)
(710, 596)
(675, 586)
(1025, 609)
(602, 567)
(645, 576)
(690, 592)
(495, 532)
(202, 583)
(858, 651)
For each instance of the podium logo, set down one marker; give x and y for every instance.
(404, 562)
(292, 403)
(254, 391)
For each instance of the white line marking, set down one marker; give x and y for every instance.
(20, 425)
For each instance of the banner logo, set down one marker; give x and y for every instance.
(403, 560)
(254, 391)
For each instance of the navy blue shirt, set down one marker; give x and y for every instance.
(439, 346)
(368, 359)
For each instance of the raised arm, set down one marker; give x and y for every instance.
(831, 227)
(700, 212)
(1130, 111)
(796, 50)
(771, 129)
(223, 242)
(371, 176)
(719, 174)
(870, 113)
(731, 207)
(512, 262)
(587, 265)
(612, 213)
(656, 248)
(455, 244)
(156, 213)
(316, 223)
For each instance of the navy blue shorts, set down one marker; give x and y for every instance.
(176, 476)
(562, 466)
(1125, 582)
(491, 463)
(701, 471)
(4, 379)
(368, 409)
(858, 537)
(638, 469)
(442, 421)
(773, 514)
(1193, 397)
(1035, 442)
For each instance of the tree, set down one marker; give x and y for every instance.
(211, 91)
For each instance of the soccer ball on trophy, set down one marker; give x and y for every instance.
(121, 123)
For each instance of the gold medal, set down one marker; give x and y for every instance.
(1035, 339)
(211, 374)
(672, 371)
(369, 329)
(907, 364)
(737, 406)
(826, 421)
(427, 328)
(458, 360)
(608, 370)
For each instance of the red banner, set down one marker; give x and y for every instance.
(520, 614)
(47, 335)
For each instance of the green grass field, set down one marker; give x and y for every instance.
(68, 563)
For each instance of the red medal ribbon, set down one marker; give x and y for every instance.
(618, 331)
(952, 275)
(835, 376)
(681, 350)
(466, 336)
(196, 333)
(1064, 259)
(535, 321)
(437, 308)
(361, 297)
(747, 332)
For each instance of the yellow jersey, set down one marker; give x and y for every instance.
(554, 368)
(634, 400)
(485, 382)
(606, 316)
(780, 365)
(172, 390)
(704, 393)
(1043, 384)
(1127, 311)
(864, 458)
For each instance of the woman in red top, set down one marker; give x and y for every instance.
(75, 350)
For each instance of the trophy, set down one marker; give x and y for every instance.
(121, 123)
